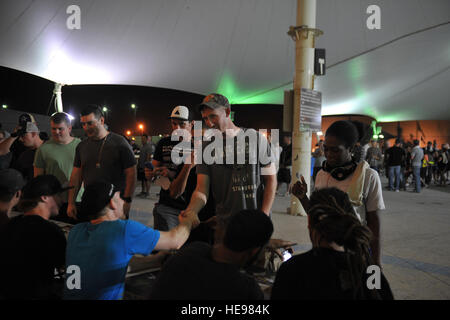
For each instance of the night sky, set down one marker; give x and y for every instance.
(25, 92)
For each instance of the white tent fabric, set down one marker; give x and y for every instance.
(240, 48)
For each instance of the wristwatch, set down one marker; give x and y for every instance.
(127, 199)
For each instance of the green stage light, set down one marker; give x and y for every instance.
(228, 87)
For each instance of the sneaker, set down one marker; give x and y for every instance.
(397, 190)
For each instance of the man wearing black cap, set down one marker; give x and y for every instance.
(235, 186)
(11, 184)
(32, 247)
(203, 272)
(102, 248)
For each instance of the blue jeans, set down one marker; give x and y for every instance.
(416, 174)
(394, 170)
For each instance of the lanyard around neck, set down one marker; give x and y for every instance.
(97, 165)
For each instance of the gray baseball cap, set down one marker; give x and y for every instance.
(214, 101)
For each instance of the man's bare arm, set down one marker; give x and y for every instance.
(270, 187)
(130, 180)
(178, 185)
(5, 145)
(176, 237)
(75, 182)
(198, 199)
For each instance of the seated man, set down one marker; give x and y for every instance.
(102, 248)
(336, 267)
(31, 247)
(200, 272)
(11, 184)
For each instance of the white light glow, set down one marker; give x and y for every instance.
(67, 70)
(340, 108)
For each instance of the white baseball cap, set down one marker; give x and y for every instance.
(180, 112)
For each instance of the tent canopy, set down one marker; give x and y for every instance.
(240, 48)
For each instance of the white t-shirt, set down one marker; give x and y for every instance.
(372, 192)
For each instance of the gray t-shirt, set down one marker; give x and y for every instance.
(104, 164)
(237, 186)
(417, 156)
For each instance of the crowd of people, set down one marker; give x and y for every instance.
(216, 215)
(406, 164)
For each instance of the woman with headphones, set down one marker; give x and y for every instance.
(342, 171)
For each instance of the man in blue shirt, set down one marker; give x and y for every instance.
(102, 248)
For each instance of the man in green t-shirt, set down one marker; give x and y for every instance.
(56, 156)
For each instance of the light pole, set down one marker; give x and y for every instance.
(134, 108)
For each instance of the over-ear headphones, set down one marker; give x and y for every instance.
(342, 172)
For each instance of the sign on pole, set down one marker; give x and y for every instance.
(310, 110)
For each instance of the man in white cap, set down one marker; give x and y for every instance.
(171, 203)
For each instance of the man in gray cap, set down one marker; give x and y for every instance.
(11, 184)
(235, 186)
(28, 133)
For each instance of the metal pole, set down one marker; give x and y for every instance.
(304, 78)
(58, 97)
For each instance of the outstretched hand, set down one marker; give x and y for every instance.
(189, 217)
(300, 188)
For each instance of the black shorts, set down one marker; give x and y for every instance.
(284, 175)
(141, 175)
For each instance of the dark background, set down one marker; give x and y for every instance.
(29, 93)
